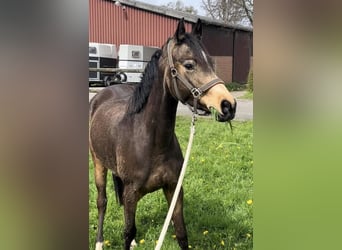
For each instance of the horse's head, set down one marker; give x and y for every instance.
(190, 75)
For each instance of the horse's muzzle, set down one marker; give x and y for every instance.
(228, 111)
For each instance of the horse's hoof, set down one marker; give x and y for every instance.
(133, 244)
(98, 245)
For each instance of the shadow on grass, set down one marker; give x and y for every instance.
(227, 226)
(209, 222)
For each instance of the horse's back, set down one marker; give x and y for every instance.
(117, 92)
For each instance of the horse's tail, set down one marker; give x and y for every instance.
(118, 186)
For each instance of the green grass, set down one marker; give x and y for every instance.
(235, 86)
(217, 185)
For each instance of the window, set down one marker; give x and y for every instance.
(92, 50)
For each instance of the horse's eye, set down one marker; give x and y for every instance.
(189, 66)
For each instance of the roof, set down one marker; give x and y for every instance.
(179, 14)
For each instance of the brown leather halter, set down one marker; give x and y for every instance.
(197, 92)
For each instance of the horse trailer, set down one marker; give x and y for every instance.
(134, 57)
(102, 55)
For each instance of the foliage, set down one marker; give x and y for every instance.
(218, 193)
(230, 11)
(234, 86)
(179, 6)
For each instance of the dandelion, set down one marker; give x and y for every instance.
(202, 160)
(190, 246)
(249, 202)
(107, 243)
(205, 232)
(142, 241)
(222, 242)
(248, 235)
(173, 236)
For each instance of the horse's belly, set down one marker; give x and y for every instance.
(104, 137)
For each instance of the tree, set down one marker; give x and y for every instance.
(179, 6)
(230, 11)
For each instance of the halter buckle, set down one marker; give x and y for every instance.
(196, 93)
(174, 72)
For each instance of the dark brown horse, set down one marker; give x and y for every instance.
(132, 129)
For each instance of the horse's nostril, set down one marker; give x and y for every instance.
(226, 107)
(225, 110)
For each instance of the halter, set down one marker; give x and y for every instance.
(197, 92)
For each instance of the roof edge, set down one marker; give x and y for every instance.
(179, 14)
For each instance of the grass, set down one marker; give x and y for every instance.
(218, 193)
(235, 86)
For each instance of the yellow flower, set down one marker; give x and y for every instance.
(190, 246)
(205, 232)
(142, 241)
(248, 235)
(249, 202)
(173, 236)
(156, 242)
(222, 242)
(107, 243)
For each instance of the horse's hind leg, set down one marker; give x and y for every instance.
(100, 181)
(130, 200)
(177, 217)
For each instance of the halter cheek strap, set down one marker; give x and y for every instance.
(196, 92)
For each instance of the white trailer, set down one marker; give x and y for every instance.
(102, 55)
(134, 57)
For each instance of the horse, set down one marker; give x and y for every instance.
(132, 129)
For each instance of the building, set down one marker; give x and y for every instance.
(132, 22)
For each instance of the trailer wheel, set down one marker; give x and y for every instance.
(107, 81)
(123, 77)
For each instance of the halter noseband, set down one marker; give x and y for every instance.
(197, 92)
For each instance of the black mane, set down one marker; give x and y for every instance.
(142, 91)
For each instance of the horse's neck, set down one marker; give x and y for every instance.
(160, 114)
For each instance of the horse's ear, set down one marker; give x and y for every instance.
(197, 29)
(180, 32)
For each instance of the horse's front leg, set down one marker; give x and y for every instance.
(130, 200)
(177, 217)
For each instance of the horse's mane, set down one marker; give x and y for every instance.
(142, 91)
(197, 48)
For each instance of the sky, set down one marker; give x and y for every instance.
(195, 3)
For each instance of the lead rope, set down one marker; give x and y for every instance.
(179, 184)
